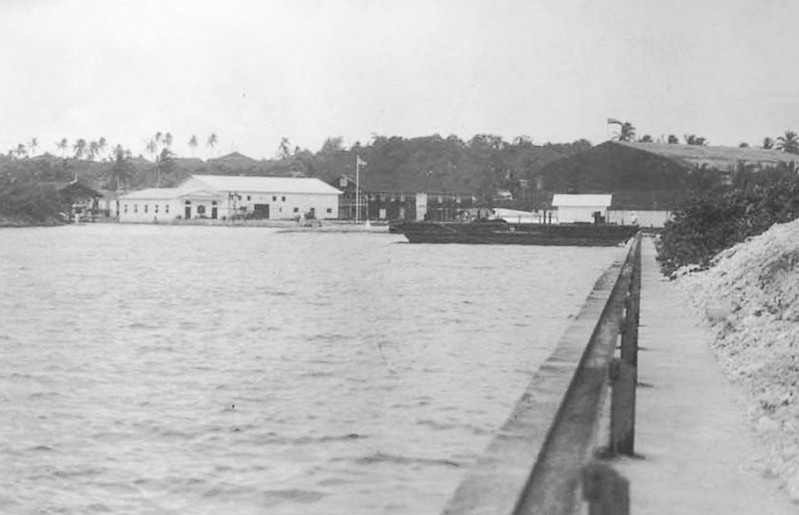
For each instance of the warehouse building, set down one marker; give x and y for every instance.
(225, 197)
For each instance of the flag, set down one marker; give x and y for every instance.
(613, 120)
(359, 161)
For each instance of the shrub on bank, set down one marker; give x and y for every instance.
(718, 220)
(24, 202)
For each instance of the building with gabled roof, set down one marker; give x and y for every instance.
(232, 197)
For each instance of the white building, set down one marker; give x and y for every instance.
(581, 208)
(224, 197)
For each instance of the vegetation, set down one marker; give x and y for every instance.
(719, 219)
(27, 196)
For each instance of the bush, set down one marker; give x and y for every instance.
(707, 225)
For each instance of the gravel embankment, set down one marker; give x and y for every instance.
(750, 297)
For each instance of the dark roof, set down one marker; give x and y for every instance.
(76, 189)
(712, 157)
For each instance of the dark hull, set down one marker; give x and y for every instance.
(500, 233)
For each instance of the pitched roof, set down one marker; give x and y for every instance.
(267, 184)
(713, 157)
(153, 194)
(575, 200)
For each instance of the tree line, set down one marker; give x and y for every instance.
(786, 142)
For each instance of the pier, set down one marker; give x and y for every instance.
(631, 413)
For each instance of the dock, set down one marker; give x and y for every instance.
(631, 414)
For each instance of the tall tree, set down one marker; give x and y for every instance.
(768, 143)
(673, 140)
(122, 171)
(646, 138)
(284, 150)
(102, 144)
(788, 142)
(21, 151)
(62, 146)
(93, 150)
(213, 141)
(626, 130)
(152, 148)
(79, 148)
(33, 145)
(193, 143)
(164, 166)
(168, 140)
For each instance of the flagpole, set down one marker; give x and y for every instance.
(357, 189)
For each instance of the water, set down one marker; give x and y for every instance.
(157, 369)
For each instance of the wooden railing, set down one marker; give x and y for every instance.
(547, 457)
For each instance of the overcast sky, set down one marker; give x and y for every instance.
(255, 71)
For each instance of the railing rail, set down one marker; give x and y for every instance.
(544, 458)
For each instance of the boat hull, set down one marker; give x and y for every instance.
(501, 233)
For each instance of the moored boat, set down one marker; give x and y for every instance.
(499, 232)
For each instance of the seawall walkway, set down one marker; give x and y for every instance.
(692, 434)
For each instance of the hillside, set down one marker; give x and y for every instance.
(479, 166)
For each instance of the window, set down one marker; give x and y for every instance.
(145, 207)
(296, 210)
(213, 203)
(274, 198)
(329, 210)
(342, 182)
(155, 208)
(166, 208)
(135, 208)
(125, 207)
(188, 202)
(201, 210)
(248, 197)
(283, 199)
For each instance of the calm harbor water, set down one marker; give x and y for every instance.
(157, 369)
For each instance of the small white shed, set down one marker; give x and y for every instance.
(574, 208)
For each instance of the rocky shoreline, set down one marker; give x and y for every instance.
(750, 298)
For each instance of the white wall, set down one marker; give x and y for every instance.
(149, 210)
(645, 218)
(288, 206)
(577, 214)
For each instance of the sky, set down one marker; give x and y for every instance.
(253, 72)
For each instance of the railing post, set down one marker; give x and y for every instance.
(607, 491)
(622, 408)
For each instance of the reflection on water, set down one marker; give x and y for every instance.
(156, 369)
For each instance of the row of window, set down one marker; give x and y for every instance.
(146, 208)
(200, 208)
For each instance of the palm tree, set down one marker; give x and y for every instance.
(34, 143)
(213, 140)
(93, 150)
(168, 139)
(101, 145)
(62, 146)
(79, 148)
(768, 143)
(788, 142)
(158, 136)
(122, 169)
(193, 143)
(21, 151)
(152, 148)
(626, 130)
